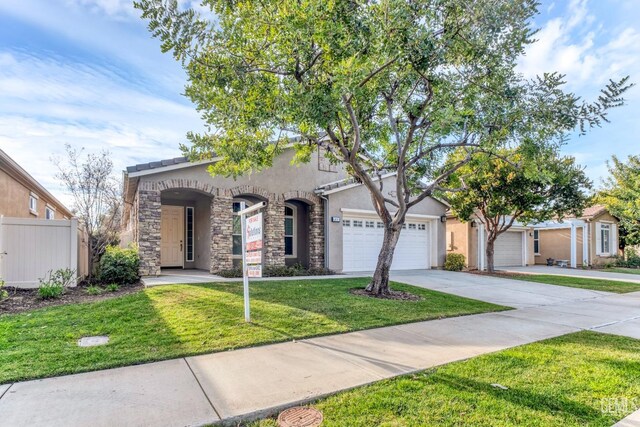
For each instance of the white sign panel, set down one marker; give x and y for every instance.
(254, 270)
(254, 232)
(254, 257)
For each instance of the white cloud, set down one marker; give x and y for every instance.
(49, 101)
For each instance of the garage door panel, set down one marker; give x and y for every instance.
(362, 241)
(508, 249)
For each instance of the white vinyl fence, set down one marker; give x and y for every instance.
(31, 248)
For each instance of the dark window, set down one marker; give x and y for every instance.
(536, 242)
(189, 227)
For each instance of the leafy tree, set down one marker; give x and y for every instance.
(96, 197)
(513, 186)
(621, 196)
(390, 85)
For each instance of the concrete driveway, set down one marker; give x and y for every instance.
(498, 290)
(575, 272)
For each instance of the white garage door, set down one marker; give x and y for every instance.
(362, 240)
(508, 249)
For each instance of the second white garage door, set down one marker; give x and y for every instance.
(508, 249)
(362, 240)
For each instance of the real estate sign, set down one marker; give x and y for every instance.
(254, 270)
(254, 232)
(254, 257)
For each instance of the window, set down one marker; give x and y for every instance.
(536, 242)
(404, 226)
(369, 224)
(49, 213)
(412, 226)
(289, 231)
(33, 204)
(605, 238)
(357, 223)
(189, 232)
(237, 227)
(346, 223)
(422, 226)
(380, 224)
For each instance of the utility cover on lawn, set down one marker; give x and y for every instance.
(300, 416)
(92, 341)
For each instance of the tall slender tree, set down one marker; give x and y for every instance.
(389, 85)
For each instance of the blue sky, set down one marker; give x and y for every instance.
(88, 73)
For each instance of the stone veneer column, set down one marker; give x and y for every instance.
(149, 211)
(221, 232)
(316, 235)
(274, 232)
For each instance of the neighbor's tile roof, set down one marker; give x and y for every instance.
(592, 211)
(158, 164)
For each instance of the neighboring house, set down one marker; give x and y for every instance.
(180, 216)
(564, 240)
(23, 196)
(512, 248)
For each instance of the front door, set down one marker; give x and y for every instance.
(172, 237)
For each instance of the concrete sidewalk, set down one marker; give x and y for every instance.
(258, 381)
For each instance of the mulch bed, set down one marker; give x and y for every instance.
(393, 295)
(21, 300)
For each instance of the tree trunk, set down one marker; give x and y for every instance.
(380, 283)
(491, 240)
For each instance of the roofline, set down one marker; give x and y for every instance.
(16, 168)
(160, 169)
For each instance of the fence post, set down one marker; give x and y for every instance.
(73, 245)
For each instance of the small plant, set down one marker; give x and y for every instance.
(3, 292)
(112, 287)
(119, 265)
(454, 262)
(94, 290)
(231, 273)
(56, 283)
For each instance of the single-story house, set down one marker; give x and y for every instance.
(565, 239)
(181, 216)
(512, 248)
(24, 197)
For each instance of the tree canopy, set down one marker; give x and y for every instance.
(390, 85)
(621, 196)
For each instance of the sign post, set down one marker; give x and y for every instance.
(252, 243)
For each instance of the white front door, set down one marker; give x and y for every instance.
(362, 240)
(172, 236)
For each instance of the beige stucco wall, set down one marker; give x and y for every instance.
(14, 202)
(604, 217)
(556, 244)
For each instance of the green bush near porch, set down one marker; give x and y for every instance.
(179, 320)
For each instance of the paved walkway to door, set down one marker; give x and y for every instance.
(259, 381)
(574, 272)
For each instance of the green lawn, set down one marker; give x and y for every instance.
(623, 270)
(179, 320)
(557, 382)
(578, 282)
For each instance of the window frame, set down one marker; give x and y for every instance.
(49, 209)
(293, 236)
(536, 242)
(605, 227)
(33, 204)
(233, 233)
(186, 234)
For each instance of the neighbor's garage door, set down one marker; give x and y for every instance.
(508, 249)
(362, 240)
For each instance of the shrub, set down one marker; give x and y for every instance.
(631, 259)
(94, 290)
(55, 285)
(112, 287)
(3, 292)
(454, 262)
(231, 273)
(119, 265)
(279, 271)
